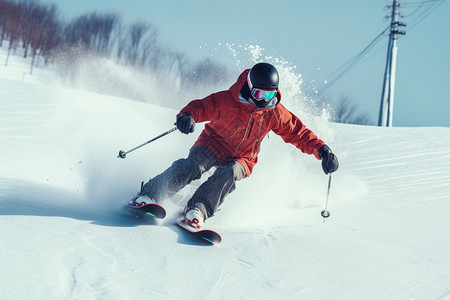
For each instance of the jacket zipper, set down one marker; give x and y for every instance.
(260, 123)
(255, 148)
(251, 127)
(243, 138)
(257, 137)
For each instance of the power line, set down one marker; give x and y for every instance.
(416, 10)
(426, 12)
(339, 72)
(419, 3)
(342, 70)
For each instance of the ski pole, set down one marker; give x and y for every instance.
(123, 154)
(325, 213)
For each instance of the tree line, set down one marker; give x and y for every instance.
(29, 25)
(38, 30)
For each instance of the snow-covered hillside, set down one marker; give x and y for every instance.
(63, 236)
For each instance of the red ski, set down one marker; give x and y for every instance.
(152, 210)
(205, 235)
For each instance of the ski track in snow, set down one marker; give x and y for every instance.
(63, 236)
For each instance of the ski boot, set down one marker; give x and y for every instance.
(194, 217)
(141, 199)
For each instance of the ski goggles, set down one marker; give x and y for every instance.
(260, 94)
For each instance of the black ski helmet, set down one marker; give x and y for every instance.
(264, 76)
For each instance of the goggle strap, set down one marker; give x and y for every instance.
(249, 82)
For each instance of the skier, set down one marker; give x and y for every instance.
(239, 119)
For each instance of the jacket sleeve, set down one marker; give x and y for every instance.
(205, 109)
(293, 131)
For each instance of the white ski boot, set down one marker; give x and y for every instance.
(141, 199)
(194, 217)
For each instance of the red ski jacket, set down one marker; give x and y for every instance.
(235, 130)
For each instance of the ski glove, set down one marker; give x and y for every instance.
(185, 123)
(329, 160)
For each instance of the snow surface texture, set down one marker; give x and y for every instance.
(63, 236)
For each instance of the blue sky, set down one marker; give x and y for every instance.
(317, 37)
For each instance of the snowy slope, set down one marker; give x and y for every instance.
(62, 235)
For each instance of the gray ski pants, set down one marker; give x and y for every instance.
(210, 194)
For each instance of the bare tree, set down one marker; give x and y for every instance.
(5, 8)
(12, 28)
(347, 112)
(204, 72)
(30, 13)
(121, 42)
(135, 46)
(51, 36)
(44, 30)
(103, 26)
(92, 32)
(148, 49)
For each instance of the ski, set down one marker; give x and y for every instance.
(152, 210)
(206, 235)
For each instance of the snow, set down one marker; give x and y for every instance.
(62, 187)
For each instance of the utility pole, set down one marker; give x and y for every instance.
(387, 97)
